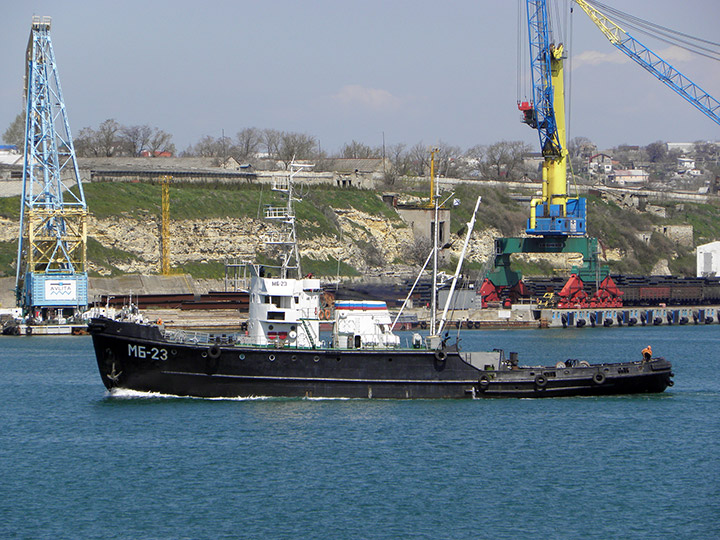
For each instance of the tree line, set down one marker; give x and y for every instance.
(251, 145)
(108, 140)
(501, 160)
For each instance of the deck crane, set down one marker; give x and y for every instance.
(653, 63)
(51, 273)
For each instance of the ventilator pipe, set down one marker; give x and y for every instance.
(533, 212)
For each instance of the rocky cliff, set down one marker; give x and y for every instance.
(364, 242)
(369, 243)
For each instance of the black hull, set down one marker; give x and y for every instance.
(137, 357)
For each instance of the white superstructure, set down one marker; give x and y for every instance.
(363, 325)
(284, 311)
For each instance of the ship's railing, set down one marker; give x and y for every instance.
(279, 238)
(230, 339)
(202, 338)
(281, 184)
(277, 212)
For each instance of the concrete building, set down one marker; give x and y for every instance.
(682, 235)
(681, 147)
(601, 163)
(10, 160)
(630, 177)
(708, 260)
(421, 220)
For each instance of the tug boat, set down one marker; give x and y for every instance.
(285, 357)
(283, 354)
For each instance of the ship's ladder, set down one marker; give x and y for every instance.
(308, 332)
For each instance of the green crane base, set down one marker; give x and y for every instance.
(504, 276)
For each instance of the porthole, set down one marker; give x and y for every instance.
(271, 357)
(203, 354)
(242, 356)
(316, 358)
(173, 352)
(293, 358)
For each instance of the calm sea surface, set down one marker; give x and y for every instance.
(77, 462)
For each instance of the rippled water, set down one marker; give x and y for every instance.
(76, 462)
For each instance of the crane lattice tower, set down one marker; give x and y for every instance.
(51, 269)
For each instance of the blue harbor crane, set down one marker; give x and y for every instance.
(51, 278)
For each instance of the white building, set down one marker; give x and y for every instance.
(682, 147)
(708, 260)
(630, 177)
(9, 155)
(685, 164)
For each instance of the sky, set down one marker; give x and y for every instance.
(400, 71)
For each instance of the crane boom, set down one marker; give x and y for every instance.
(541, 59)
(653, 63)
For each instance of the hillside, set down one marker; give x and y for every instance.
(214, 223)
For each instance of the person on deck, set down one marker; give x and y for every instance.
(647, 353)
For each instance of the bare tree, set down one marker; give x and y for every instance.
(296, 146)
(358, 150)
(112, 139)
(86, 143)
(446, 162)
(504, 159)
(107, 142)
(418, 250)
(161, 141)
(581, 147)
(271, 141)
(398, 158)
(475, 158)
(707, 152)
(248, 143)
(208, 147)
(419, 159)
(103, 142)
(136, 139)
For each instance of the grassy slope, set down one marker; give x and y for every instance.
(107, 257)
(195, 201)
(8, 254)
(614, 226)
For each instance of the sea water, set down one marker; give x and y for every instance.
(78, 462)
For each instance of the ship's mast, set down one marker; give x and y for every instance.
(435, 201)
(286, 238)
